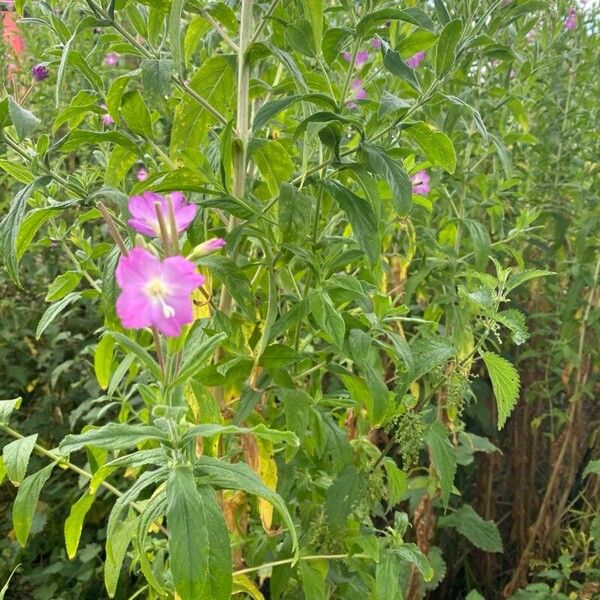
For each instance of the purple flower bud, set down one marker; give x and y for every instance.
(571, 20)
(142, 174)
(40, 72)
(107, 120)
(376, 43)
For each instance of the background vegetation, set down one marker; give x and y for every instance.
(368, 339)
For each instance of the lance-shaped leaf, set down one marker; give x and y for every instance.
(505, 382)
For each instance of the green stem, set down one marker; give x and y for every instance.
(263, 21)
(288, 561)
(80, 268)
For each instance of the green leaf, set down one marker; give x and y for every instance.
(156, 77)
(411, 15)
(387, 575)
(360, 215)
(412, 554)
(31, 224)
(392, 170)
(300, 37)
(103, 358)
(19, 172)
(481, 533)
(74, 522)
(390, 104)
(175, 36)
(272, 108)
(24, 121)
(514, 320)
(313, 12)
(234, 279)
(474, 595)
(506, 384)
(5, 587)
(327, 317)
(142, 355)
(397, 482)
(115, 94)
(239, 476)
(313, 576)
(116, 547)
(200, 554)
(136, 114)
(435, 144)
(442, 11)
(273, 162)
(63, 285)
(446, 46)
(214, 82)
(197, 359)
(444, 458)
(392, 61)
(593, 467)
(26, 502)
(16, 457)
(296, 404)
(333, 42)
(293, 213)
(53, 311)
(9, 230)
(520, 277)
(113, 436)
(259, 431)
(81, 137)
(6, 409)
(343, 495)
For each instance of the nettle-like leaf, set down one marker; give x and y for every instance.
(505, 382)
(481, 533)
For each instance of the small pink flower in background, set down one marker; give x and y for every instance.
(141, 174)
(420, 183)
(145, 220)
(376, 43)
(358, 93)
(156, 293)
(207, 247)
(40, 72)
(361, 58)
(111, 59)
(416, 59)
(571, 20)
(107, 120)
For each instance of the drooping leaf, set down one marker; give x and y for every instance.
(481, 533)
(343, 495)
(74, 522)
(436, 145)
(24, 121)
(16, 456)
(54, 310)
(327, 317)
(444, 458)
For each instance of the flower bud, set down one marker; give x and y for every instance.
(207, 247)
(40, 72)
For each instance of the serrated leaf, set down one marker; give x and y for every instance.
(481, 533)
(505, 382)
(444, 459)
(156, 77)
(412, 554)
(516, 279)
(343, 494)
(6, 409)
(327, 317)
(514, 320)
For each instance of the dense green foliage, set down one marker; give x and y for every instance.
(388, 388)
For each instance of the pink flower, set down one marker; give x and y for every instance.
(207, 247)
(142, 174)
(376, 43)
(361, 58)
(145, 220)
(107, 120)
(571, 20)
(111, 59)
(416, 59)
(156, 293)
(420, 183)
(357, 93)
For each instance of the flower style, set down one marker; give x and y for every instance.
(420, 183)
(141, 174)
(358, 93)
(416, 59)
(361, 58)
(145, 220)
(571, 20)
(111, 59)
(156, 293)
(40, 72)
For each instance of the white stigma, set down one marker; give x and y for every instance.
(156, 290)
